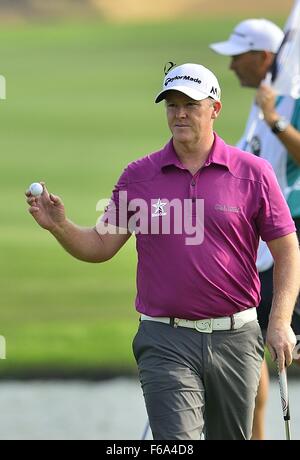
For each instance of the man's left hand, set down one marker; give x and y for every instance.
(281, 342)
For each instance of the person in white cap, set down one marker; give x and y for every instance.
(252, 47)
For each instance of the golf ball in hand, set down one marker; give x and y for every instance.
(36, 189)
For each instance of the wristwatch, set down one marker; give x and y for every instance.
(280, 125)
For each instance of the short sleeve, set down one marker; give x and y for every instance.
(116, 213)
(274, 219)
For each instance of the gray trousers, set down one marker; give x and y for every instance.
(196, 383)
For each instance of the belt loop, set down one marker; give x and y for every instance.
(172, 322)
(232, 323)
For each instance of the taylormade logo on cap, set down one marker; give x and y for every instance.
(251, 35)
(182, 77)
(194, 80)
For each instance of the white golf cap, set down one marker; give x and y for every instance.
(251, 35)
(194, 80)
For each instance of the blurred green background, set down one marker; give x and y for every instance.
(80, 107)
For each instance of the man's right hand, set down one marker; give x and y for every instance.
(85, 244)
(47, 209)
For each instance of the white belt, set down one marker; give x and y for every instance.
(209, 325)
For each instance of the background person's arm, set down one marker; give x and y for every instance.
(290, 137)
(280, 337)
(85, 244)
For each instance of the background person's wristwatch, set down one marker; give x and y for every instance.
(280, 125)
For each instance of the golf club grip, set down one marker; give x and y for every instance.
(284, 394)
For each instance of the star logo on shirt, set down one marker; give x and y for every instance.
(159, 209)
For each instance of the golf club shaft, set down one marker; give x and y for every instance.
(146, 429)
(287, 430)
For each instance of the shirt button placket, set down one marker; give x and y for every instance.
(193, 188)
(193, 195)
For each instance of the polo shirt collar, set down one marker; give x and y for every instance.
(170, 157)
(219, 154)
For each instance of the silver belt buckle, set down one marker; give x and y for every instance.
(204, 325)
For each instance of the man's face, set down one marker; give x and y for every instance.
(250, 68)
(188, 119)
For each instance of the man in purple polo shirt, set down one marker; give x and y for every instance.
(198, 208)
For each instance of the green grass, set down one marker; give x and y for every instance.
(79, 107)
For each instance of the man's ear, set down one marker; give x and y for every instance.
(217, 107)
(264, 60)
(269, 59)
